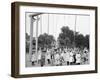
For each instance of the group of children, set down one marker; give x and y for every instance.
(60, 56)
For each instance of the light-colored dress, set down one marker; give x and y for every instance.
(33, 58)
(48, 55)
(71, 58)
(57, 59)
(66, 56)
(39, 55)
(78, 58)
(62, 54)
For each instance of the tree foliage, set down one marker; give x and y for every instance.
(70, 38)
(66, 37)
(45, 40)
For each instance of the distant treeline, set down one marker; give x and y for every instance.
(67, 38)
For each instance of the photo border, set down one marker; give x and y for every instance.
(15, 32)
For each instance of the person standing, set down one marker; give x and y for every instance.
(66, 57)
(33, 58)
(71, 57)
(62, 58)
(43, 59)
(85, 56)
(48, 56)
(57, 59)
(78, 58)
(39, 56)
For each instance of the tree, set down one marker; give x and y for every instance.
(66, 37)
(45, 40)
(79, 40)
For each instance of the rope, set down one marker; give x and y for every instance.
(75, 29)
(64, 20)
(48, 25)
(40, 24)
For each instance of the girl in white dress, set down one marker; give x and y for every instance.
(39, 56)
(33, 58)
(57, 59)
(78, 58)
(48, 57)
(66, 57)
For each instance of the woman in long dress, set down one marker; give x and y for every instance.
(33, 58)
(39, 56)
(66, 57)
(43, 58)
(62, 57)
(78, 58)
(57, 59)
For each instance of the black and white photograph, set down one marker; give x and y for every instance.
(52, 39)
(57, 39)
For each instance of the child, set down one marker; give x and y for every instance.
(78, 58)
(71, 57)
(33, 58)
(39, 56)
(48, 56)
(57, 59)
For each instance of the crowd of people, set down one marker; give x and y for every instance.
(60, 56)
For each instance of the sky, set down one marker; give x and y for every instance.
(52, 24)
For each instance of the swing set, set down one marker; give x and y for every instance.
(38, 17)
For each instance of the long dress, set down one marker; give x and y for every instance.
(42, 59)
(39, 55)
(71, 59)
(66, 57)
(78, 58)
(33, 58)
(62, 58)
(48, 57)
(57, 59)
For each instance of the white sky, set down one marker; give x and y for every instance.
(56, 21)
